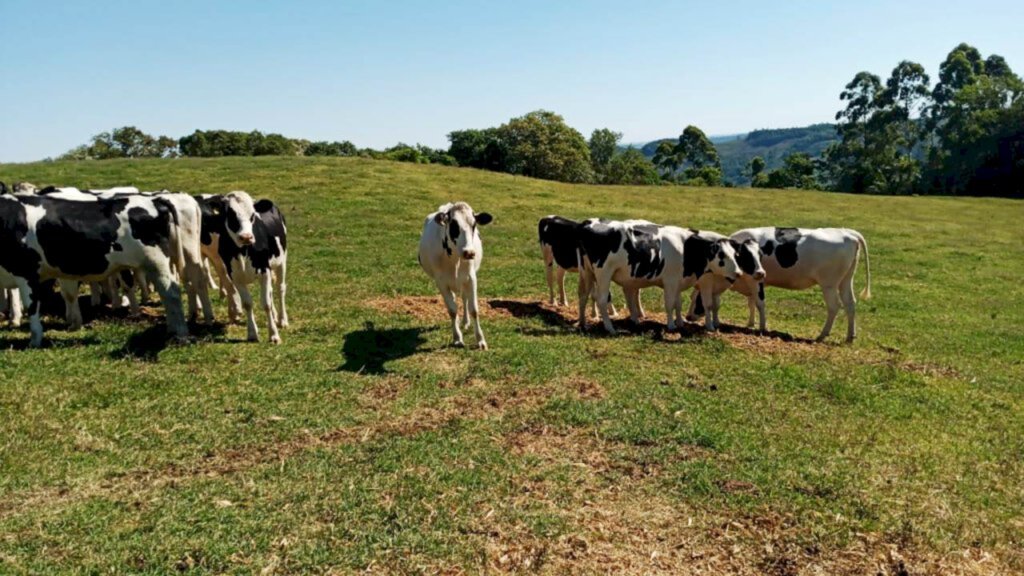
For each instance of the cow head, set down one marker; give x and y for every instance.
(459, 223)
(748, 256)
(239, 216)
(24, 188)
(721, 257)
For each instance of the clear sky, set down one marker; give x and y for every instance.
(377, 72)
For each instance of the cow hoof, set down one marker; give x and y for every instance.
(458, 344)
(252, 338)
(275, 339)
(481, 345)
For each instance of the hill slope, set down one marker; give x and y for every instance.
(365, 443)
(773, 145)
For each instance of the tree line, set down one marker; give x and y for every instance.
(964, 135)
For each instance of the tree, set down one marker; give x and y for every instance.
(631, 167)
(323, 148)
(541, 145)
(666, 159)
(975, 121)
(797, 172)
(755, 171)
(124, 142)
(603, 144)
(478, 149)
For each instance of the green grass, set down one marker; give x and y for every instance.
(364, 442)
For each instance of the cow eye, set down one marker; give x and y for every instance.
(252, 218)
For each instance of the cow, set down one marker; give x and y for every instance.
(748, 257)
(187, 223)
(211, 208)
(799, 258)
(252, 245)
(450, 253)
(43, 238)
(559, 247)
(637, 254)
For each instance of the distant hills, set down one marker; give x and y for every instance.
(736, 150)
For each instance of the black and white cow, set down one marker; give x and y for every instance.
(252, 245)
(186, 230)
(450, 253)
(710, 288)
(559, 245)
(640, 254)
(43, 238)
(800, 258)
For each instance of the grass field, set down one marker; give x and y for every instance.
(364, 443)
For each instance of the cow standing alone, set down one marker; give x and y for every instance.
(450, 252)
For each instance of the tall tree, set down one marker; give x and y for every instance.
(603, 145)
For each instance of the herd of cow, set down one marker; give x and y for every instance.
(123, 240)
(638, 254)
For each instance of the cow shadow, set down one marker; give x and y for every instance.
(520, 309)
(149, 343)
(366, 351)
(784, 336)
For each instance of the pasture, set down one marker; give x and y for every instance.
(365, 443)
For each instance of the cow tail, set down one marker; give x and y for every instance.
(866, 292)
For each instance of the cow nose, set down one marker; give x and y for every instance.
(247, 238)
(468, 254)
(759, 275)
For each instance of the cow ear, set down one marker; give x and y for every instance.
(441, 218)
(3, 188)
(483, 218)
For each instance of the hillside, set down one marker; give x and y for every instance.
(365, 444)
(773, 145)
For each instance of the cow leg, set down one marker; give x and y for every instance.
(267, 297)
(474, 311)
(281, 287)
(717, 306)
(127, 280)
(560, 278)
(198, 290)
(250, 318)
(601, 294)
(464, 294)
(72, 311)
(849, 300)
(549, 275)
(707, 298)
(611, 306)
(95, 294)
(632, 297)
(145, 293)
(229, 290)
(453, 312)
(584, 288)
(831, 295)
(639, 304)
(211, 283)
(672, 293)
(169, 289)
(30, 292)
(760, 308)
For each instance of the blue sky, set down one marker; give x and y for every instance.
(378, 72)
